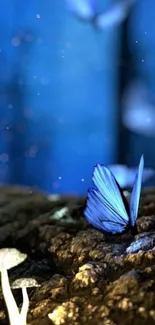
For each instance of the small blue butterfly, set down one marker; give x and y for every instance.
(86, 10)
(107, 208)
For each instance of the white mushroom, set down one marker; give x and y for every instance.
(9, 258)
(24, 283)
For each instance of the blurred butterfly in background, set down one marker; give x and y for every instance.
(82, 9)
(107, 208)
(125, 176)
(138, 110)
(86, 10)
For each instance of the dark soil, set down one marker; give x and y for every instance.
(86, 277)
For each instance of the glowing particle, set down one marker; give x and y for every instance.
(82, 179)
(38, 16)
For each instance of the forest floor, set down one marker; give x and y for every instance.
(85, 276)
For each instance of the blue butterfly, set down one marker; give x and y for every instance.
(86, 10)
(125, 175)
(107, 208)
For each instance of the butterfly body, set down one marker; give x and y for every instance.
(107, 207)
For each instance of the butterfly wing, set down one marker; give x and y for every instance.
(135, 195)
(83, 9)
(100, 218)
(147, 173)
(105, 205)
(114, 15)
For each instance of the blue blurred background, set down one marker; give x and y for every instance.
(69, 94)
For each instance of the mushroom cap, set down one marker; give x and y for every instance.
(24, 283)
(10, 257)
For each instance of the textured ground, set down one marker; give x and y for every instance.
(86, 277)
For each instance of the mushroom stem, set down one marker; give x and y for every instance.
(25, 307)
(12, 308)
